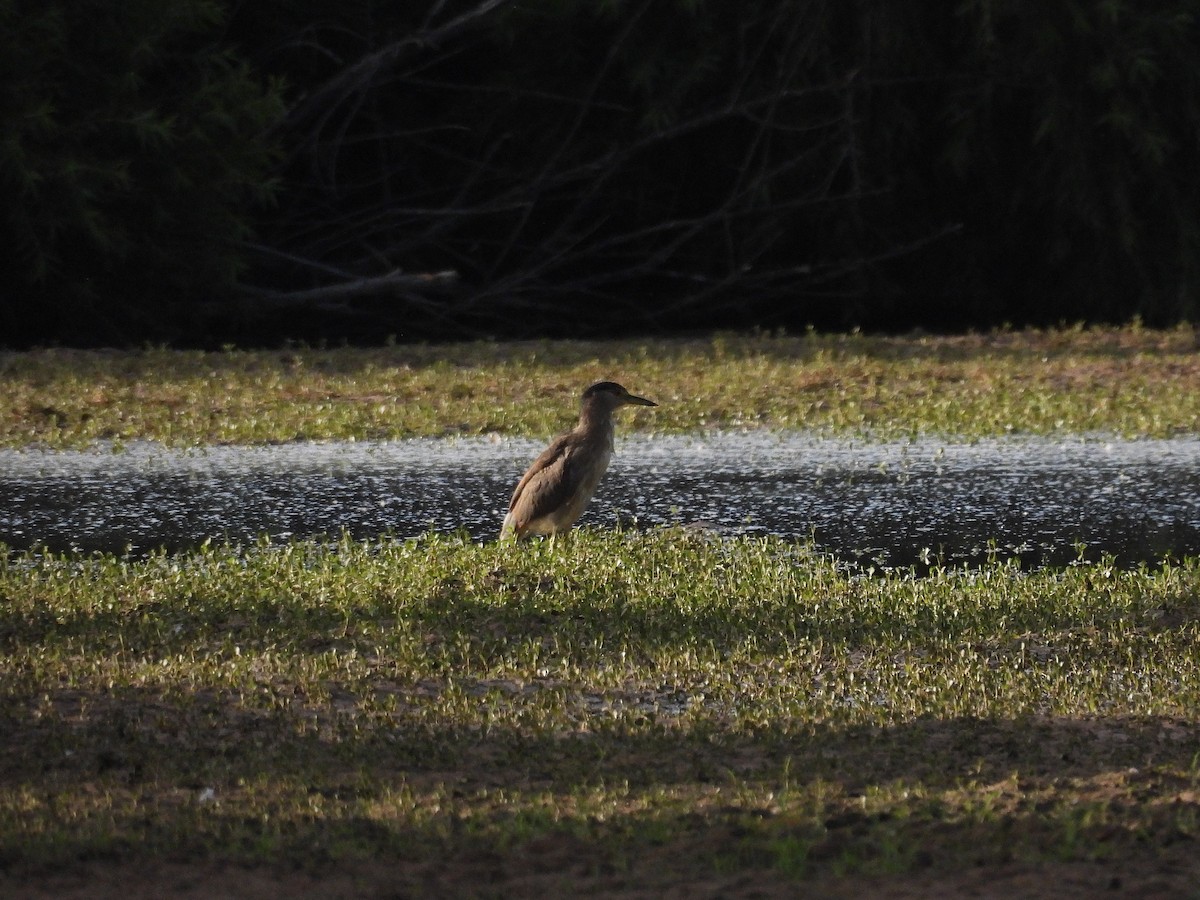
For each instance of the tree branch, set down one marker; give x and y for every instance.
(336, 296)
(361, 75)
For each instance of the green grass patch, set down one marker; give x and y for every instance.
(1127, 381)
(657, 703)
(615, 708)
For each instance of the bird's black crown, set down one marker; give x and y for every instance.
(605, 387)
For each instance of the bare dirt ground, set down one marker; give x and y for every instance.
(1151, 855)
(561, 867)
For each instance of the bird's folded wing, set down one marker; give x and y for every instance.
(546, 486)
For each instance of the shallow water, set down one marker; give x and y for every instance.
(887, 504)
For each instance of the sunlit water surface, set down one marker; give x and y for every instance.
(1047, 501)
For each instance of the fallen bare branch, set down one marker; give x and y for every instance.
(331, 295)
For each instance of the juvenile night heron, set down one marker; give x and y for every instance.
(553, 492)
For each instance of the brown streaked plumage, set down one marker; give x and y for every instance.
(553, 492)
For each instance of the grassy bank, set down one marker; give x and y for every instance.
(607, 713)
(654, 707)
(1126, 381)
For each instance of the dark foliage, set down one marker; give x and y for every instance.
(1074, 141)
(598, 167)
(131, 146)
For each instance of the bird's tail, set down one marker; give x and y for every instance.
(509, 529)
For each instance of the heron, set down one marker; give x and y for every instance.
(554, 490)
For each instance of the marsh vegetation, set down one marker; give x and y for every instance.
(615, 711)
(1133, 382)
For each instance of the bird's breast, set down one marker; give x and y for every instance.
(593, 466)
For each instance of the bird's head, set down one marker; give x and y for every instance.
(611, 395)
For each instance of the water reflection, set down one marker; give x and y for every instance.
(890, 504)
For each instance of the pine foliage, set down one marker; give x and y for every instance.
(133, 145)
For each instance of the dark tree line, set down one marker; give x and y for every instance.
(208, 170)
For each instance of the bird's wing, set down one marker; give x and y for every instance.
(546, 485)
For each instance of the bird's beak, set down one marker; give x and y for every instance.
(634, 400)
